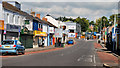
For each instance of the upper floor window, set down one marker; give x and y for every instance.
(7, 20)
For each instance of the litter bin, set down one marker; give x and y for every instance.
(56, 44)
(62, 44)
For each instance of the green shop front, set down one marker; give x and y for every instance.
(26, 38)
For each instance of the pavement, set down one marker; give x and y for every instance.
(37, 50)
(107, 57)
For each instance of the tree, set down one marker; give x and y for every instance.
(91, 23)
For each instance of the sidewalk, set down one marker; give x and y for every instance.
(106, 57)
(39, 48)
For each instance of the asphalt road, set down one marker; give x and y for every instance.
(81, 54)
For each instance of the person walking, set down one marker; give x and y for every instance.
(43, 42)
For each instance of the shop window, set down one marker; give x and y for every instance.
(71, 31)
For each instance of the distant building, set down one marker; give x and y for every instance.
(73, 28)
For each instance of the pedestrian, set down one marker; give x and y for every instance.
(43, 42)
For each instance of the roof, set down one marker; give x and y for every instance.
(12, 8)
(49, 23)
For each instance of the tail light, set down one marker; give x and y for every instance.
(0, 45)
(14, 46)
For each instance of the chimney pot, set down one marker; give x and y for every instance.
(33, 14)
(38, 15)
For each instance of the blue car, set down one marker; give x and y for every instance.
(70, 41)
(12, 46)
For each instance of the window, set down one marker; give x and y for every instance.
(7, 42)
(18, 20)
(14, 19)
(71, 31)
(39, 25)
(6, 18)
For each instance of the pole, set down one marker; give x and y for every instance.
(104, 33)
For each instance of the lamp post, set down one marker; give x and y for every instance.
(104, 31)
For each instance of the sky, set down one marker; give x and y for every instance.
(91, 9)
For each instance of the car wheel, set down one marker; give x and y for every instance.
(17, 52)
(23, 52)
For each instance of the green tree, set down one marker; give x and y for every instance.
(92, 23)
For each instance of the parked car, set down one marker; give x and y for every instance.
(12, 46)
(70, 41)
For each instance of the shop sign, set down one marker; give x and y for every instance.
(72, 27)
(71, 35)
(43, 34)
(58, 33)
(26, 31)
(51, 30)
(39, 33)
(1, 25)
(13, 28)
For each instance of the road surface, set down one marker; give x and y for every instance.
(81, 54)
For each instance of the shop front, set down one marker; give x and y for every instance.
(1, 30)
(26, 38)
(39, 39)
(51, 37)
(12, 32)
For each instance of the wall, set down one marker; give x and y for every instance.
(12, 18)
(45, 28)
(52, 20)
(1, 12)
(30, 25)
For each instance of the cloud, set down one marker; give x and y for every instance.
(90, 10)
(64, 0)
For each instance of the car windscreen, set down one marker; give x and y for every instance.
(7, 42)
(70, 40)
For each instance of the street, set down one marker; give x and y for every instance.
(81, 54)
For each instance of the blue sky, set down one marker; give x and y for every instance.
(91, 9)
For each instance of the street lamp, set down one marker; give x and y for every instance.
(104, 30)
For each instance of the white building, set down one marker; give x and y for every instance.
(73, 28)
(52, 20)
(17, 23)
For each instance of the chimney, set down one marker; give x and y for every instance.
(38, 15)
(33, 14)
(45, 19)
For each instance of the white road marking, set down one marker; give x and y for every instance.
(88, 60)
(62, 54)
(78, 60)
(94, 61)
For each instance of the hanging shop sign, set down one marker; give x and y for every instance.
(13, 28)
(58, 32)
(1, 25)
(26, 31)
(39, 33)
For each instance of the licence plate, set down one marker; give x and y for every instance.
(6, 46)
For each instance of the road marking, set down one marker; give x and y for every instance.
(94, 60)
(78, 60)
(88, 60)
(62, 54)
